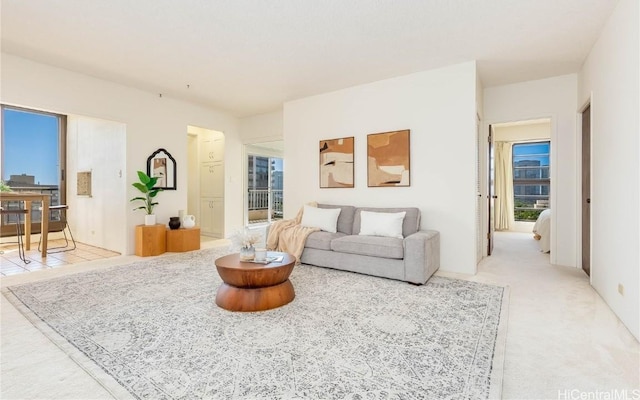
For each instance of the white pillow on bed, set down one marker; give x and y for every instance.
(381, 224)
(323, 218)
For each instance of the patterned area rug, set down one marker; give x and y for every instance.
(151, 330)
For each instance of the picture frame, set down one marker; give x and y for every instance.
(162, 165)
(83, 184)
(389, 159)
(336, 163)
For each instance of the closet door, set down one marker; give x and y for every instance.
(212, 216)
(211, 180)
(211, 149)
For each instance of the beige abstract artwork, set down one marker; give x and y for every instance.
(388, 159)
(336, 163)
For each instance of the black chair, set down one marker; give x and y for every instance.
(18, 212)
(61, 225)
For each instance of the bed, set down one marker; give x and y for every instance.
(541, 230)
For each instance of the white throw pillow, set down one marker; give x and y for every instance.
(323, 218)
(381, 224)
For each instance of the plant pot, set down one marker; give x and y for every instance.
(174, 222)
(150, 219)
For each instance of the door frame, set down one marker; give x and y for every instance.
(246, 152)
(553, 175)
(586, 103)
(491, 189)
(62, 171)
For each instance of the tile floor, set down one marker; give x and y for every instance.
(11, 264)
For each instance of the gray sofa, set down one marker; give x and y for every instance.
(412, 259)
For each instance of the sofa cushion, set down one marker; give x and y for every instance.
(325, 219)
(375, 246)
(381, 224)
(321, 240)
(345, 219)
(410, 225)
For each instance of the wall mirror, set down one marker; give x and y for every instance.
(162, 165)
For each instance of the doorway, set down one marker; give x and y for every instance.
(205, 193)
(520, 180)
(264, 182)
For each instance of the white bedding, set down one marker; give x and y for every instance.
(542, 227)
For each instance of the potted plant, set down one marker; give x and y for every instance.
(146, 187)
(245, 239)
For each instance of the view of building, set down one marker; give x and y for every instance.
(531, 181)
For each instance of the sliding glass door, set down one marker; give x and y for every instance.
(32, 158)
(264, 184)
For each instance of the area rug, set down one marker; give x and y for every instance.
(152, 330)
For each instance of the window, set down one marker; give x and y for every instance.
(33, 148)
(530, 179)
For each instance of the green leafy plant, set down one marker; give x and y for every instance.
(145, 186)
(4, 187)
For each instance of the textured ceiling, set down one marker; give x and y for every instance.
(249, 56)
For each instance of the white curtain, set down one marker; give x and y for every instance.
(503, 186)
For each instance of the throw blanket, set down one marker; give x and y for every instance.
(289, 236)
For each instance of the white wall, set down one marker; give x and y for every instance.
(610, 76)
(439, 107)
(98, 146)
(547, 98)
(193, 195)
(522, 133)
(152, 122)
(261, 128)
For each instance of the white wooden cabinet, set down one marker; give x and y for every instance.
(211, 162)
(211, 149)
(211, 179)
(212, 216)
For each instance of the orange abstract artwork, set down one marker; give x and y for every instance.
(336, 163)
(388, 159)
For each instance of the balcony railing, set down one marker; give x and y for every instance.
(259, 205)
(8, 221)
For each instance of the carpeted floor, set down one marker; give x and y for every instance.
(152, 330)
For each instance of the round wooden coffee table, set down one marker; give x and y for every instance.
(254, 287)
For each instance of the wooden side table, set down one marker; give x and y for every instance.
(151, 240)
(184, 239)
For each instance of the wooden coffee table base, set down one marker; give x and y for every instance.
(259, 299)
(254, 287)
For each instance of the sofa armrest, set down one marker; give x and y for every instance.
(421, 256)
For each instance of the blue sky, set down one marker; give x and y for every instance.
(30, 146)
